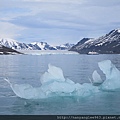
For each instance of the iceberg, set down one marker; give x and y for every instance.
(112, 74)
(96, 78)
(26, 91)
(53, 74)
(55, 84)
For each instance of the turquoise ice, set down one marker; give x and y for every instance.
(55, 84)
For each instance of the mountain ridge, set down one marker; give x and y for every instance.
(106, 44)
(11, 43)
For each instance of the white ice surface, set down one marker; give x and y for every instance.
(112, 74)
(53, 74)
(96, 77)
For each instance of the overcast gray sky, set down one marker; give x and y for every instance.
(57, 21)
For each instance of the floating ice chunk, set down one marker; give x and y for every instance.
(96, 78)
(53, 84)
(69, 81)
(58, 87)
(6, 79)
(26, 91)
(53, 74)
(87, 89)
(112, 74)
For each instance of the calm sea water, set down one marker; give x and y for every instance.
(28, 69)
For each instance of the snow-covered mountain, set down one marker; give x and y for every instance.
(42, 46)
(66, 46)
(107, 44)
(32, 46)
(11, 43)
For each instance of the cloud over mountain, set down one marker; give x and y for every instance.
(58, 20)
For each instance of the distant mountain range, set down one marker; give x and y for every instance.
(107, 44)
(10, 43)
